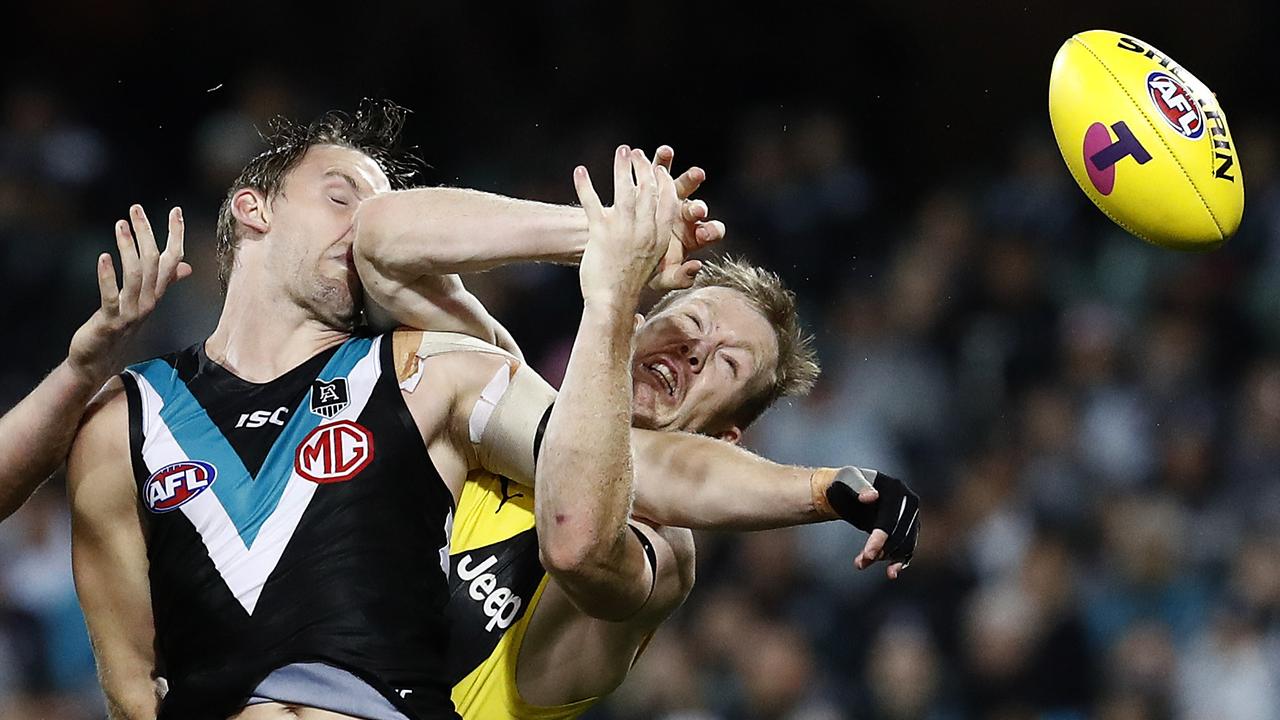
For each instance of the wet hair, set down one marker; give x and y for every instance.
(373, 129)
(797, 369)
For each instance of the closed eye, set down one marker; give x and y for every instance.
(696, 322)
(340, 201)
(733, 365)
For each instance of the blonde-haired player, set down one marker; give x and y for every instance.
(530, 642)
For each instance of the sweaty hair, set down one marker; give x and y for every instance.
(797, 369)
(374, 129)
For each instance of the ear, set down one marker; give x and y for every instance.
(638, 322)
(731, 434)
(252, 210)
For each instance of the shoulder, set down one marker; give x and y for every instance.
(107, 409)
(99, 463)
(460, 359)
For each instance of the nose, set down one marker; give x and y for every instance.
(696, 353)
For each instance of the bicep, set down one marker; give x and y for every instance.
(475, 410)
(109, 555)
(494, 413)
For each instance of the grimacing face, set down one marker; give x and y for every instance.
(695, 362)
(312, 230)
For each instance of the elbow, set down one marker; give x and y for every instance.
(372, 244)
(577, 555)
(567, 557)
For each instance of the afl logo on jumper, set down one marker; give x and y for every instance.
(334, 452)
(173, 485)
(329, 398)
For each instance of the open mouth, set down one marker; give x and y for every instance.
(665, 374)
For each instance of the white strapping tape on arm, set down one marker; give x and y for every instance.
(505, 420)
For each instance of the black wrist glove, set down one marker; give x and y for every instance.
(896, 512)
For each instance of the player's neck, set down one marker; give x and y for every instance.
(259, 339)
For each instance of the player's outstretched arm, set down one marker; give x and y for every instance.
(109, 558)
(410, 245)
(406, 234)
(698, 482)
(36, 433)
(584, 469)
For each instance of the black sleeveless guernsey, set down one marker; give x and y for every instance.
(294, 521)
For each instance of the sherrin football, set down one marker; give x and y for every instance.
(1146, 141)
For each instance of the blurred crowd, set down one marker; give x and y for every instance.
(1093, 424)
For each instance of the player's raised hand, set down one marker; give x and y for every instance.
(691, 232)
(626, 241)
(147, 273)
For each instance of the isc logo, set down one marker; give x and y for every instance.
(500, 605)
(259, 418)
(335, 452)
(1175, 104)
(173, 485)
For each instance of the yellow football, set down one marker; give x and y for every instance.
(1146, 141)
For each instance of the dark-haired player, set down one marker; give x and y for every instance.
(36, 433)
(262, 519)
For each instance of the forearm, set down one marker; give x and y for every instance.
(438, 303)
(584, 485)
(436, 231)
(130, 698)
(698, 482)
(36, 434)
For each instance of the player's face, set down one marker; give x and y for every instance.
(697, 360)
(312, 226)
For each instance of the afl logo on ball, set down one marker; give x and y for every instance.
(1175, 104)
(335, 452)
(173, 485)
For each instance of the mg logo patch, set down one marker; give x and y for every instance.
(329, 398)
(335, 452)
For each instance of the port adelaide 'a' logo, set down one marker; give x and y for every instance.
(329, 397)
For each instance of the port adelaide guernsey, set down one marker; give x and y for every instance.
(298, 522)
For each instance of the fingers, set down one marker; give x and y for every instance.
(107, 288)
(895, 569)
(687, 273)
(669, 205)
(872, 550)
(903, 538)
(587, 196)
(646, 184)
(171, 267)
(693, 211)
(130, 268)
(148, 254)
(647, 223)
(709, 233)
(689, 182)
(624, 189)
(664, 156)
